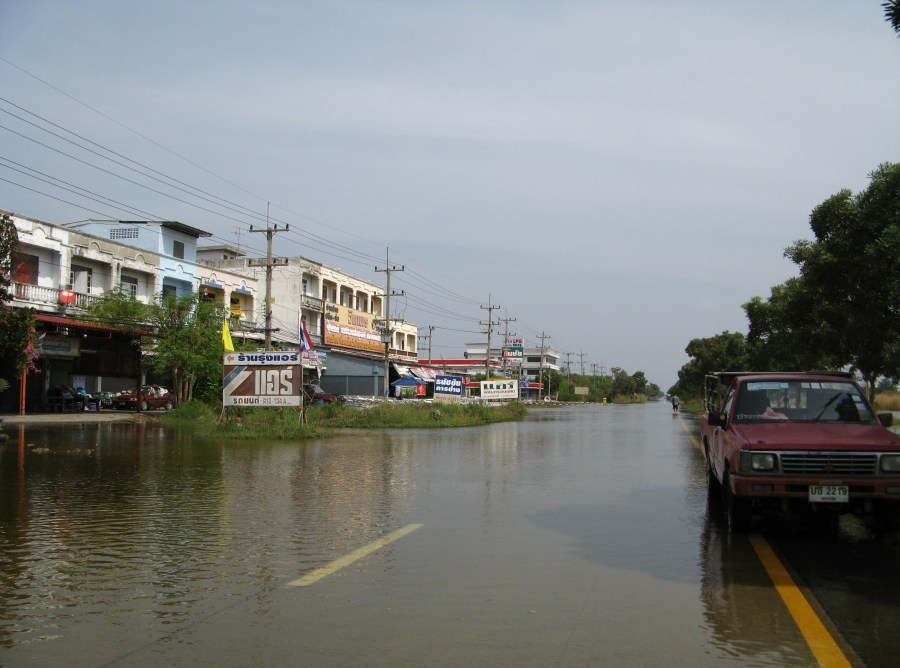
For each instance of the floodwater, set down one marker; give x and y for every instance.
(578, 537)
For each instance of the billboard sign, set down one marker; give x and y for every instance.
(514, 349)
(262, 379)
(448, 388)
(499, 389)
(349, 328)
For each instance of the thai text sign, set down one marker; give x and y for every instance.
(448, 386)
(499, 389)
(349, 328)
(514, 349)
(261, 379)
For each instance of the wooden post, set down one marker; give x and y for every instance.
(22, 391)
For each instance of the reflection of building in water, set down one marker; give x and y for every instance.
(744, 613)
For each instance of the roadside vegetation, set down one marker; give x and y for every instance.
(838, 313)
(321, 421)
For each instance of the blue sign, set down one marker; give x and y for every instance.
(452, 385)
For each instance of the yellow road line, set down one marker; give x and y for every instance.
(694, 441)
(314, 576)
(820, 641)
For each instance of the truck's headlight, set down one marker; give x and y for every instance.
(762, 461)
(890, 463)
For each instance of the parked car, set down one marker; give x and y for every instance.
(314, 394)
(798, 443)
(152, 397)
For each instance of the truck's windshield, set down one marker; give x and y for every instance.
(801, 401)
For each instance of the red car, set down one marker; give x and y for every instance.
(152, 396)
(798, 443)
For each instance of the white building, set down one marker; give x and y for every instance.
(344, 315)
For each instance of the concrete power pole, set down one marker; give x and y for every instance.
(541, 373)
(268, 263)
(506, 334)
(490, 325)
(388, 333)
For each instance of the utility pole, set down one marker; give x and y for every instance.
(268, 263)
(388, 269)
(541, 373)
(506, 334)
(582, 356)
(490, 325)
(569, 366)
(429, 337)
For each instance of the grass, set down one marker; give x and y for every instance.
(284, 423)
(887, 400)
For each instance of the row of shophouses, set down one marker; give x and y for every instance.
(61, 269)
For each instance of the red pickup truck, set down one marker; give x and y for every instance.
(797, 443)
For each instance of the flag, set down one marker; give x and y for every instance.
(226, 337)
(306, 344)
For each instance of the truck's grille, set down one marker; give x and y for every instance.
(828, 463)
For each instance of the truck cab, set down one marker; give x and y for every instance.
(797, 443)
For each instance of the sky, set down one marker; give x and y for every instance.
(618, 177)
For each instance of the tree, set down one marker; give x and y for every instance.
(849, 274)
(892, 14)
(188, 345)
(723, 352)
(786, 332)
(178, 338)
(17, 327)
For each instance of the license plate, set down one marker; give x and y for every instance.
(829, 494)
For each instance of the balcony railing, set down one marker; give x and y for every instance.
(313, 303)
(40, 295)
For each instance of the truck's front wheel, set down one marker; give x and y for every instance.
(738, 508)
(713, 486)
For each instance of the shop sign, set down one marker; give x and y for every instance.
(261, 379)
(499, 389)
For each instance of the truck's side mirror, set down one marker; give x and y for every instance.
(717, 419)
(886, 419)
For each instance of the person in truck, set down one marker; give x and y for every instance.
(755, 404)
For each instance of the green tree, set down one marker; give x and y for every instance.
(723, 352)
(849, 272)
(17, 326)
(786, 332)
(188, 346)
(892, 13)
(179, 338)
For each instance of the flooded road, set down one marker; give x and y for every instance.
(578, 537)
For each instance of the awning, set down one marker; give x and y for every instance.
(403, 371)
(424, 373)
(408, 381)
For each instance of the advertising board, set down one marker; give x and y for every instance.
(499, 389)
(349, 328)
(448, 388)
(262, 379)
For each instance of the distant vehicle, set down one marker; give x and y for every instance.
(798, 443)
(313, 394)
(63, 397)
(152, 397)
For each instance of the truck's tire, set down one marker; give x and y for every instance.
(713, 486)
(738, 509)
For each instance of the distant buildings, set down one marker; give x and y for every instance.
(62, 269)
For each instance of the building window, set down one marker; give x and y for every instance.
(305, 286)
(169, 291)
(130, 286)
(26, 268)
(81, 279)
(178, 249)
